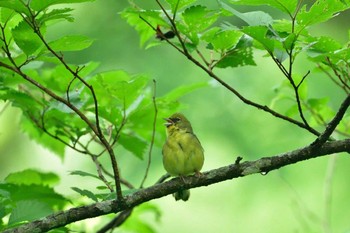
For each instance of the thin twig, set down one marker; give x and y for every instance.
(153, 133)
(117, 221)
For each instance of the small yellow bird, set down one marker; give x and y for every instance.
(182, 152)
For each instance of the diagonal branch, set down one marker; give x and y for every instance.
(324, 136)
(235, 170)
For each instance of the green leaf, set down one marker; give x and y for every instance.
(222, 39)
(287, 6)
(179, 4)
(323, 46)
(15, 5)
(237, 57)
(119, 86)
(19, 99)
(198, 18)
(43, 139)
(259, 34)
(137, 223)
(318, 104)
(6, 14)
(71, 43)
(26, 211)
(146, 32)
(30, 192)
(56, 14)
(84, 174)
(320, 11)
(85, 193)
(180, 91)
(252, 18)
(40, 5)
(133, 144)
(30, 176)
(26, 39)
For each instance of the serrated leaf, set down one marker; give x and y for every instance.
(119, 86)
(252, 18)
(15, 5)
(84, 174)
(287, 6)
(71, 43)
(40, 5)
(222, 39)
(43, 139)
(29, 192)
(237, 57)
(29, 211)
(19, 99)
(178, 4)
(56, 14)
(30, 176)
(26, 39)
(86, 193)
(198, 18)
(320, 11)
(259, 34)
(146, 32)
(133, 144)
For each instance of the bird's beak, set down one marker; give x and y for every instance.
(168, 122)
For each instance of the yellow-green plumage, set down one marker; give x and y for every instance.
(182, 152)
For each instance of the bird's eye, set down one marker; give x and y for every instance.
(175, 119)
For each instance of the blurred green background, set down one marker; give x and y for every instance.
(292, 199)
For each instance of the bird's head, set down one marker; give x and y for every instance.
(178, 121)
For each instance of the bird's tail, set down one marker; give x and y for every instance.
(182, 195)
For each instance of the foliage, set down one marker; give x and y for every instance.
(75, 106)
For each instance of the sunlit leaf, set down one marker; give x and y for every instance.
(30, 176)
(28, 211)
(26, 39)
(85, 193)
(287, 6)
(252, 18)
(320, 11)
(140, 20)
(56, 14)
(222, 39)
(198, 18)
(71, 43)
(133, 144)
(15, 5)
(84, 174)
(178, 4)
(40, 5)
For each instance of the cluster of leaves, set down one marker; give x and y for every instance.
(69, 105)
(207, 37)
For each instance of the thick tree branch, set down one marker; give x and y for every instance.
(235, 170)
